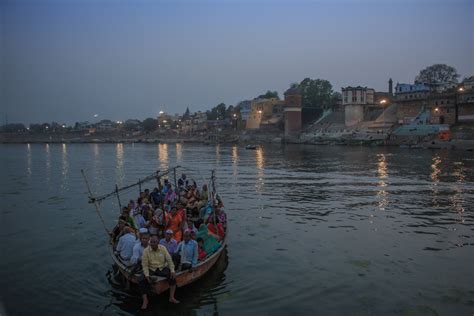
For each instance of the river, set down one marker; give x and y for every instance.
(312, 230)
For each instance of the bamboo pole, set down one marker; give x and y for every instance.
(118, 198)
(91, 197)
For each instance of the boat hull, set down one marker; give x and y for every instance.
(182, 278)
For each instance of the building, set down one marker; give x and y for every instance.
(262, 110)
(355, 101)
(465, 100)
(245, 108)
(412, 99)
(292, 111)
(442, 107)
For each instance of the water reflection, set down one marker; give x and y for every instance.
(435, 173)
(179, 152)
(65, 166)
(457, 199)
(235, 157)
(163, 156)
(48, 162)
(382, 184)
(435, 169)
(119, 167)
(260, 163)
(218, 154)
(28, 160)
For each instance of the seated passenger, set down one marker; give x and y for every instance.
(127, 215)
(182, 182)
(156, 261)
(201, 253)
(175, 223)
(139, 219)
(221, 216)
(187, 252)
(217, 230)
(203, 198)
(155, 198)
(125, 244)
(138, 249)
(117, 231)
(170, 196)
(170, 244)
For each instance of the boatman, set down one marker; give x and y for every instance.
(157, 262)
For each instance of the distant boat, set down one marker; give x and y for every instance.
(252, 147)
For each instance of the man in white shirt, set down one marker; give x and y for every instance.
(125, 244)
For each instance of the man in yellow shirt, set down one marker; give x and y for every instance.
(156, 261)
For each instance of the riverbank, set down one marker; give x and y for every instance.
(461, 139)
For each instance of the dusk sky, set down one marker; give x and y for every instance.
(67, 60)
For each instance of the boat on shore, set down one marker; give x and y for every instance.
(160, 284)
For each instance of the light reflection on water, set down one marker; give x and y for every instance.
(64, 166)
(299, 236)
(28, 159)
(260, 164)
(48, 162)
(163, 156)
(120, 175)
(179, 153)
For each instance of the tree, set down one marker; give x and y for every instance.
(315, 93)
(268, 95)
(437, 74)
(336, 96)
(229, 112)
(35, 128)
(13, 128)
(149, 124)
(217, 112)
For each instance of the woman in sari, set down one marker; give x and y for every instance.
(176, 224)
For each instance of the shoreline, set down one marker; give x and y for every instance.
(244, 139)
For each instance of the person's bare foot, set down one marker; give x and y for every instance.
(145, 303)
(174, 301)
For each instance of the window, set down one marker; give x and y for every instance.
(345, 99)
(447, 110)
(442, 102)
(354, 99)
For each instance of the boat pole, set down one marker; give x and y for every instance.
(118, 198)
(93, 200)
(174, 174)
(213, 194)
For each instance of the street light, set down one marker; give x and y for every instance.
(461, 89)
(383, 101)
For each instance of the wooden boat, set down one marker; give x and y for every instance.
(182, 277)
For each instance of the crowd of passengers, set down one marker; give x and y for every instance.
(168, 230)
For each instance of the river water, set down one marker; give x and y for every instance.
(313, 230)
